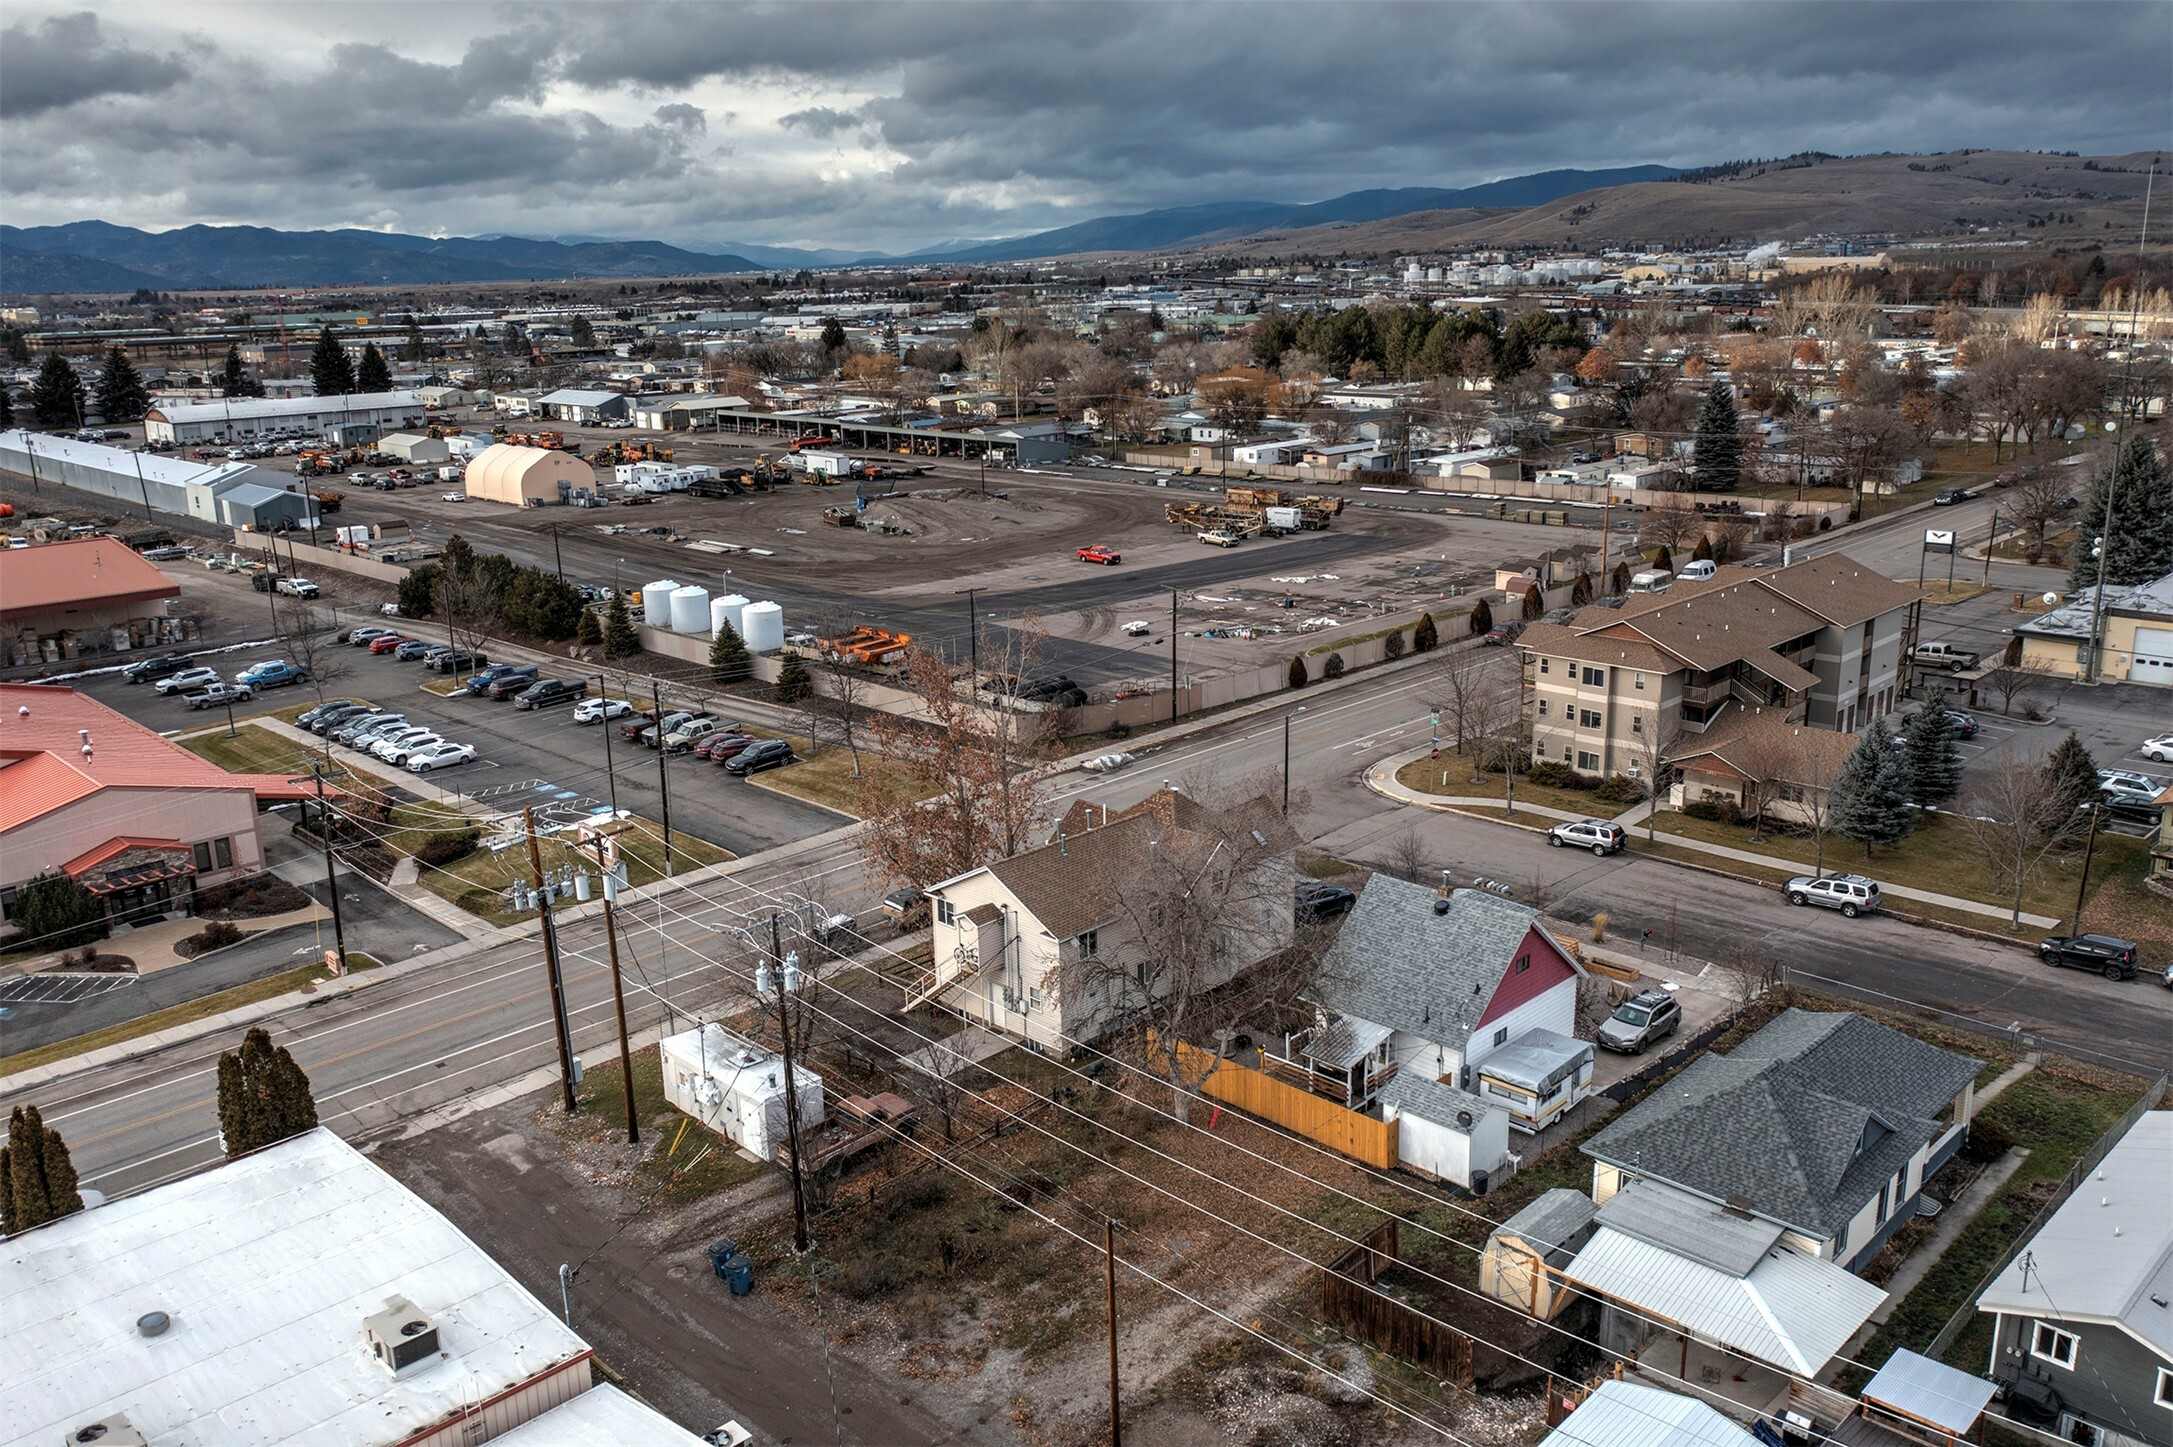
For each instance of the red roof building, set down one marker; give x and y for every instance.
(139, 820)
(61, 599)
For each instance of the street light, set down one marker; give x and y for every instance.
(1286, 754)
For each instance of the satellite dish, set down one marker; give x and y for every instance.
(2051, 599)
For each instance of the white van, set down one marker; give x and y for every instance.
(1697, 570)
(1652, 580)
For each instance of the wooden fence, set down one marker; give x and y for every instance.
(1351, 1302)
(1358, 1136)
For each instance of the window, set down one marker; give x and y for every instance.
(1539, 748)
(1640, 680)
(1033, 999)
(946, 912)
(1637, 723)
(1543, 665)
(223, 851)
(1588, 718)
(202, 852)
(1597, 677)
(1524, 962)
(1542, 708)
(2164, 1395)
(2049, 1344)
(1589, 762)
(1501, 1036)
(1090, 942)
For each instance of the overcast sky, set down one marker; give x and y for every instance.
(897, 124)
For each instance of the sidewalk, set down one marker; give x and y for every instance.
(1381, 779)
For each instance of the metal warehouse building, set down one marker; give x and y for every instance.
(233, 493)
(233, 418)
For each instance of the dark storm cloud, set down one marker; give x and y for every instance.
(895, 125)
(67, 59)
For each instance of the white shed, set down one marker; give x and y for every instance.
(736, 1087)
(1445, 1132)
(416, 447)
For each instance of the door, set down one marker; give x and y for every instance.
(2152, 661)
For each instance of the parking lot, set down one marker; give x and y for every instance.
(2111, 719)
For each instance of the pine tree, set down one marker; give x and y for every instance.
(7, 408)
(1933, 759)
(1482, 618)
(1869, 801)
(329, 368)
(56, 394)
(373, 375)
(1618, 582)
(1425, 635)
(1664, 560)
(1703, 552)
(1299, 677)
(234, 379)
(2073, 772)
(1392, 647)
(620, 639)
(1580, 591)
(729, 660)
(588, 632)
(1716, 455)
(582, 333)
(121, 395)
(413, 348)
(1332, 666)
(37, 1177)
(2139, 546)
(263, 1095)
(1535, 603)
(793, 681)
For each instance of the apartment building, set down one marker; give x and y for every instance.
(1822, 643)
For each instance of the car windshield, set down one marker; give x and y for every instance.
(1632, 1014)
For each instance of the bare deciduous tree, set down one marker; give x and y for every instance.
(1655, 742)
(1476, 691)
(2032, 506)
(1670, 527)
(309, 636)
(2015, 682)
(2017, 814)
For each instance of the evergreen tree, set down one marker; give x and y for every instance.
(18, 348)
(7, 408)
(37, 1177)
(1580, 591)
(1482, 617)
(1870, 800)
(588, 633)
(329, 369)
(121, 395)
(1933, 759)
(373, 375)
(1392, 646)
(234, 379)
(583, 334)
(263, 1095)
(620, 639)
(55, 912)
(1716, 454)
(2072, 771)
(1425, 636)
(1618, 582)
(419, 591)
(1332, 666)
(1299, 677)
(1703, 552)
(413, 347)
(56, 394)
(1664, 560)
(793, 681)
(2139, 545)
(1535, 603)
(833, 336)
(729, 660)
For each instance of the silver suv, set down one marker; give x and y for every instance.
(1597, 835)
(1852, 894)
(1643, 1020)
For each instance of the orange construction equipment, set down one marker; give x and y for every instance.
(871, 646)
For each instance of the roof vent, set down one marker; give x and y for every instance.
(1463, 1118)
(400, 1336)
(153, 1323)
(1441, 904)
(113, 1431)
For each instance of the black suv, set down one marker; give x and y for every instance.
(546, 691)
(2110, 956)
(760, 755)
(511, 683)
(453, 660)
(145, 669)
(1317, 901)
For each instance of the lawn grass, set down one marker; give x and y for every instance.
(1321, 866)
(478, 883)
(1939, 593)
(681, 1160)
(252, 750)
(1450, 777)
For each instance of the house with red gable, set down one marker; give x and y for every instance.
(127, 813)
(1440, 985)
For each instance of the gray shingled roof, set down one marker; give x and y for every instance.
(1558, 1219)
(1433, 1100)
(1397, 963)
(1800, 1124)
(1698, 1230)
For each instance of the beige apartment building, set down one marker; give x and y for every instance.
(1822, 644)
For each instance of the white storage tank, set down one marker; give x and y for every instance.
(656, 603)
(731, 609)
(690, 610)
(763, 626)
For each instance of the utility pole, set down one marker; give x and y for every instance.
(2112, 479)
(618, 990)
(800, 1242)
(2089, 848)
(331, 882)
(1991, 540)
(663, 785)
(1173, 655)
(550, 964)
(1109, 1260)
(556, 556)
(610, 779)
(973, 638)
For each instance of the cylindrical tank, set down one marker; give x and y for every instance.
(690, 609)
(729, 609)
(656, 603)
(763, 626)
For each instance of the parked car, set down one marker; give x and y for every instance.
(1852, 894)
(1502, 633)
(386, 642)
(1597, 835)
(511, 684)
(143, 670)
(906, 908)
(385, 743)
(277, 674)
(706, 748)
(217, 695)
(601, 710)
(761, 754)
(188, 680)
(299, 588)
(1949, 496)
(307, 719)
(1316, 901)
(2109, 955)
(649, 736)
(483, 680)
(339, 717)
(545, 692)
(350, 729)
(413, 649)
(2133, 791)
(638, 724)
(369, 633)
(453, 660)
(690, 733)
(439, 756)
(1221, 538)
(1098, 553)
(1943, 655)
(2159, 750)
(726, 746)
(364, 736)
(1640, 1022)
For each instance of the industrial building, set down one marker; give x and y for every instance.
(296, 1294)
(233, 418)
(88, 595)
(576, 404)
(526, 476)
(415, 448)
(232, 494)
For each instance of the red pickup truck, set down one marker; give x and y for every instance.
(1100, 554)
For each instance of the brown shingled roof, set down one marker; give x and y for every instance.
(1715, 628)
(1567, 640)
(1839, 589)
(1745, 738)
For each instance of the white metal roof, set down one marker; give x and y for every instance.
(121, 461)
(268, 1266)
(577, 397)
(602, 1416)
(1625, 1414)
(2108, 1251)
(1930, 1392)
(262, 407)
(1792, 1310)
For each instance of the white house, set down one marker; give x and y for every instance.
(736, 1087)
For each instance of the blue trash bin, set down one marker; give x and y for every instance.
(739, 1274)
(721, 1251)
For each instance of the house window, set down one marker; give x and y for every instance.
(1033, 999)
(1539, 748)
(1542, 708)
(2164, 1395)
(1090, 942)
(1597, 677)
(1637, 723)
(1524, 962)
(946, 912)
(1588, 718)
(202, 852)
(223, 851)
(1589, 762)
(1640, 680)
(1543, 666)
(1501, 1036)
(2049, 1344)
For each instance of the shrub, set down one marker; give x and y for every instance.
(1332, 666)
(442, 849)
(1986, 1142)
(215, 935)
(1299, 677)
(1704, 809)
(54, 912)
(866, 1277)
(1392, 645)
(1557, 775)
(1425, 634)
(1619, 789)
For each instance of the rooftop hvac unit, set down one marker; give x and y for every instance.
(112, 1431)
(400, 1335)
(746, 1055)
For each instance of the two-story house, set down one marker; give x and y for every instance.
(1056, 945)
(2082, 1318)
(1822, 643)
(1824, 1124)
